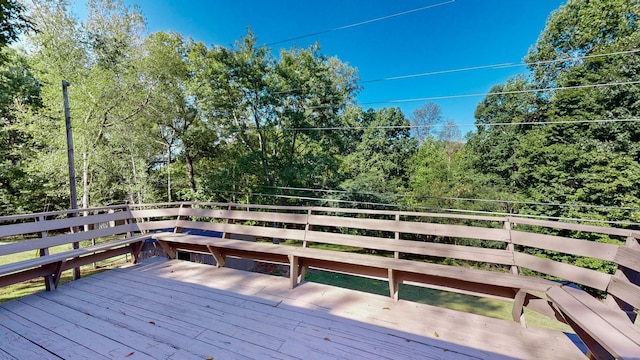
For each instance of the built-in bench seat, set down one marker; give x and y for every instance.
(478, 255)
(116, 228)
(605, 330)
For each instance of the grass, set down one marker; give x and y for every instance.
(499, 309)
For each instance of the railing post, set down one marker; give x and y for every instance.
(510, 247)
(49, 283)
(307, 228)
(396, 254)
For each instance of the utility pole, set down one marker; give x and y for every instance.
(71, 161)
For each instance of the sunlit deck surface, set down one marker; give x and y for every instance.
(181, 310)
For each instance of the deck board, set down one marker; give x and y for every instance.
(172, 309)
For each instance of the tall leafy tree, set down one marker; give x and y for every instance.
(379, 162)
(98, 58)
(263, 108)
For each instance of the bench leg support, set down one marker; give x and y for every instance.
(294, 271)
(57, 273)
(167, 249)
(394, 286)
(217, 254)
(136, 248)
(517, 313)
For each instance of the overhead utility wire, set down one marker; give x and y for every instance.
(483, 67)
(397, 101)
(500, 66)
(497, 93)
(386, 127)
(335, 191)
(344, 27)
(353, 202)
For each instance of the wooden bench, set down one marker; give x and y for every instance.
(479, 255)
(118, 228)
(399, 247)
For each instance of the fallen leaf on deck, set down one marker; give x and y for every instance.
(152, 323)
(131, 353)
(386, 308)
(436, 334)
(209, 357)
(327, 339)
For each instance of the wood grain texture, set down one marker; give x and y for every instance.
(608, 333)
(193, 311)
(566, 245)
(591, 278)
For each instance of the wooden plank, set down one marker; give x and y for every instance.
(75, 332)
(407, 213)
(152, 213)
(571, 226)
(495, 256)
(628, 258)
(257, 231)
(596, 327)
(59, 212)
(625, 290)
(53, 258)
(566, 245)
(155, 225)
(51, 241)
(138, 343)
(246, 215)
(25, 275)
(471, 232)
(591, 278)
(157, 326)
(59, 224)
(453, 272)
(358, 313)
(360, 331)
(615, 317)
(21, 348)
(54, 343)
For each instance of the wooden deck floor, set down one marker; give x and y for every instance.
(179, 310)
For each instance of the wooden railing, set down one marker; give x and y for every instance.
(507, 257)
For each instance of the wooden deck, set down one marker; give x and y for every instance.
(180, 310)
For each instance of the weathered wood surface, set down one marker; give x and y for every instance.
(181, 310)
(608, 328)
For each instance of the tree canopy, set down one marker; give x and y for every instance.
(160, 117)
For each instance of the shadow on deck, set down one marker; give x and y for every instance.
(181, 310)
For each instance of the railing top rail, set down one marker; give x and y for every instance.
(574, 226)
(60, 212)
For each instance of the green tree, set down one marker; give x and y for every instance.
(587, 163)
(19, 89)
(263, 108)
(99, 59)
(379, 163)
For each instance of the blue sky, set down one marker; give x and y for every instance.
(461, 34)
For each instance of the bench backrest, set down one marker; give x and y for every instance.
(506, 243)
(45, 230)
(497, 243)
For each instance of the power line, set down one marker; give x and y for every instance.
(515, 202)
(500, 66)
(353, 202)
(500, 93)
(391, 127)
(344, 27)
(484, 67)
(509, 92)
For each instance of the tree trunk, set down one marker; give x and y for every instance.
(169, 198)
(189, 162)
